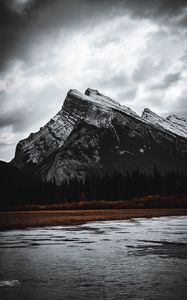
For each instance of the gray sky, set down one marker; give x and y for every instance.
(133, 51)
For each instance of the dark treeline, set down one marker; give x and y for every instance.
(29, 190)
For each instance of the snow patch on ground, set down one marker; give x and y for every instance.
(141, 150)
(9, 283)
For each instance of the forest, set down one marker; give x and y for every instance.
(18, 188)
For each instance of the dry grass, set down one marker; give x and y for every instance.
(18, 220)
(150, 201)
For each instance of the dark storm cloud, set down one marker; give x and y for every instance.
(168, 81)
(145, 70)
(183, 21)
(11, 25)
(25, 115)
(20, 28)
(128, 94)
(158, 8)
(13, 118)
(116, 80)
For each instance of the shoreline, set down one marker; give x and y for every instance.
(33, 219)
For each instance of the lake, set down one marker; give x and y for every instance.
(131, 259)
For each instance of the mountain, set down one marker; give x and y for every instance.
(173, 123)
(52, 136)
(93, 134)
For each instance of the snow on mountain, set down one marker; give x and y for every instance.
(173, 123)
(77, 106)
(51, 136)
(104, 117)
(103, 101)
(115, 141)
(180, 123)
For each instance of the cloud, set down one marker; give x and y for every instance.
(128, 95)
(145, 70)
(155, 9)
(115, 80)
(169, 80)
(25, 22)
(180, 105)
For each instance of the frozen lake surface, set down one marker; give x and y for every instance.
(131, 259)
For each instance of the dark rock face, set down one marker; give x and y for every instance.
(51, 137)
(93, 134)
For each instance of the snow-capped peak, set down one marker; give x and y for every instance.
(101, 100)
(177, 119)
(94, 108)
(173, 123)
(98, 97)
(147, 112)
(90, 91)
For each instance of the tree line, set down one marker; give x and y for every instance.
(117, 186)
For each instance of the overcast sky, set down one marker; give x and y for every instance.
(134, 51)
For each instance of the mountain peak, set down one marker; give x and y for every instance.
(174, 117)
(90, 92)
(147, 112)
(77, 94)
(95, 97)
(173, 123)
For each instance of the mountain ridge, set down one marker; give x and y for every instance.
(93, 133)
(172, 123)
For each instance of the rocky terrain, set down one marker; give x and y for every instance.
(93, 134)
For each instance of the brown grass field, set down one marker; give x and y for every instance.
(25, 219)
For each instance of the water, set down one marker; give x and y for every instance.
(132, 259)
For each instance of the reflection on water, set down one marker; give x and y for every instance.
(132, 259)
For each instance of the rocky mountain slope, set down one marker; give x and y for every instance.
(93, 134)
(173, 123)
